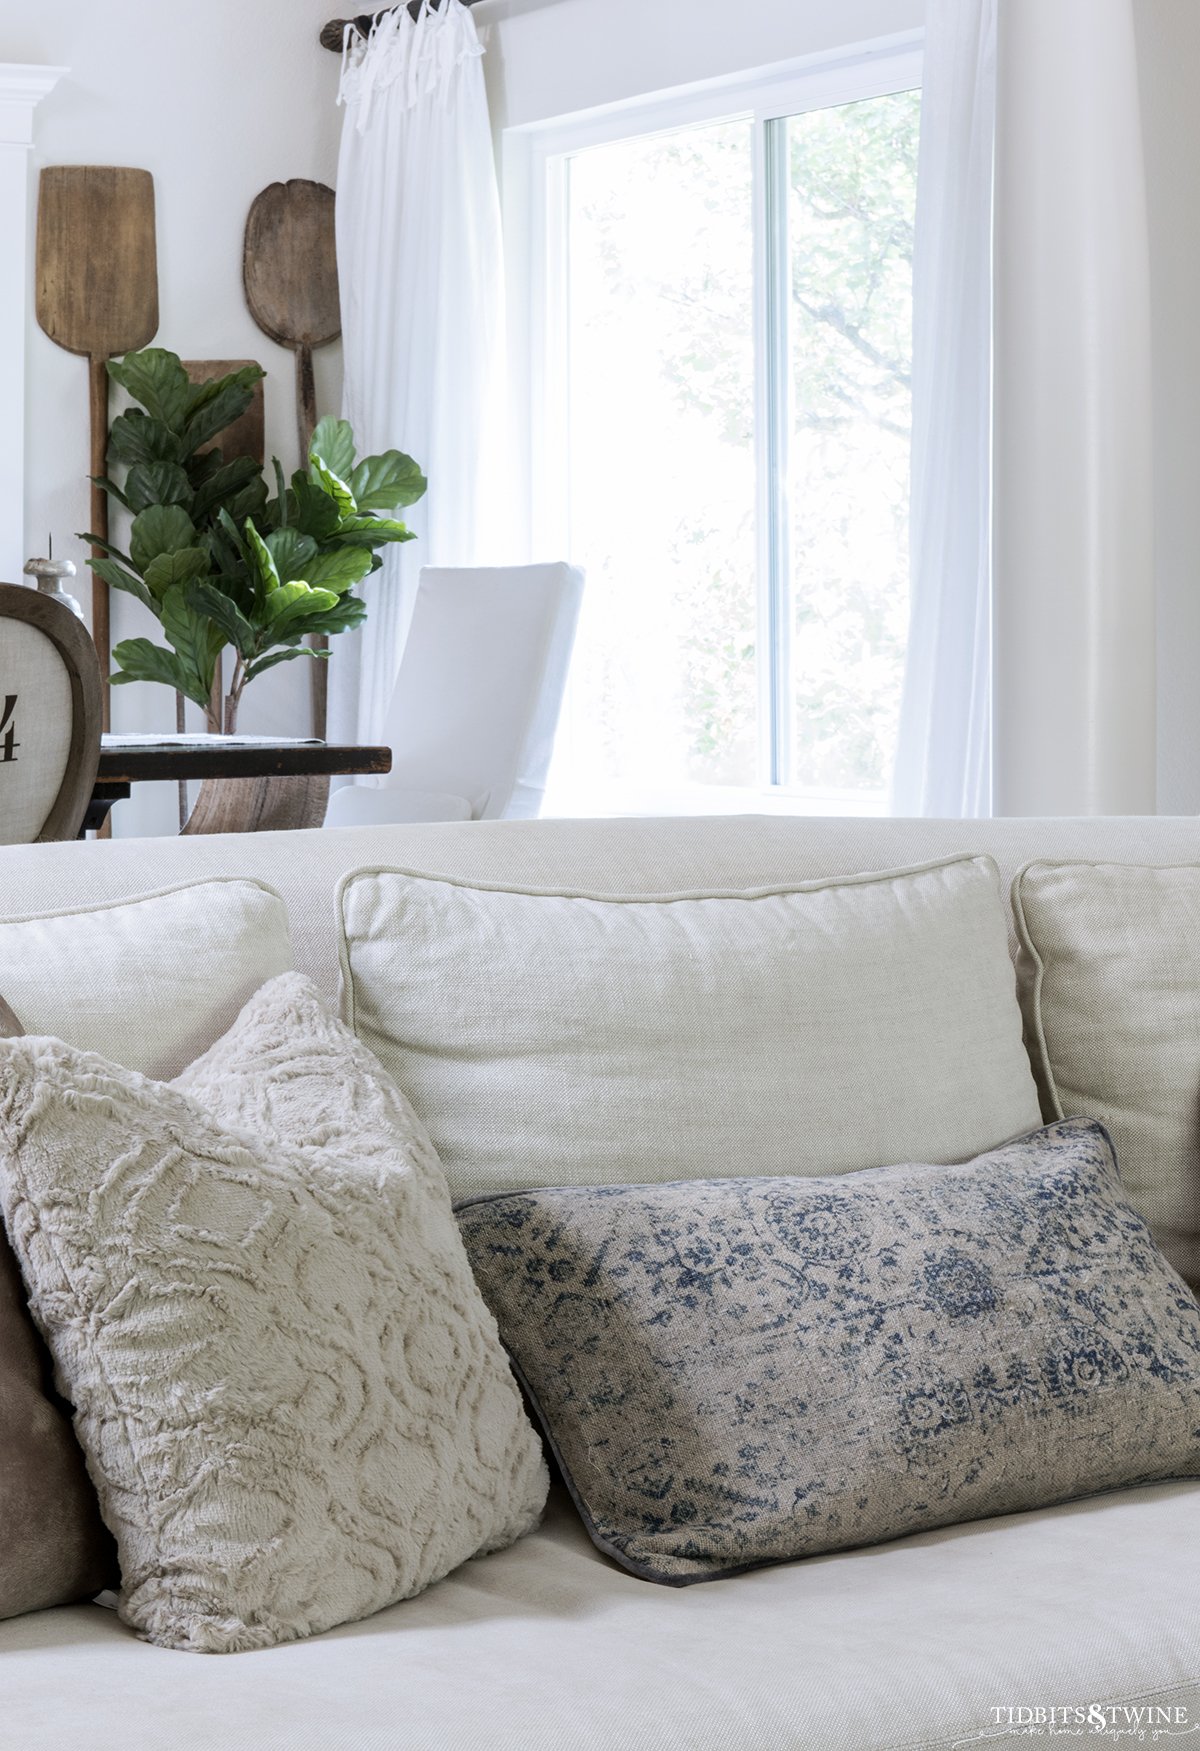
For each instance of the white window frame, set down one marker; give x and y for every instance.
(534, 172)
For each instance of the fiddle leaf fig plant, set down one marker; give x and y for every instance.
(216, 558)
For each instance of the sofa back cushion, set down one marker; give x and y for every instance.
(566, 1038)
(148, 982)
(1109, 969)
(645, 856)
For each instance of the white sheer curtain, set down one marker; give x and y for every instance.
(943, 754)
(421, 267)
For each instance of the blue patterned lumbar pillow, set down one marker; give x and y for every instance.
(738, 1372)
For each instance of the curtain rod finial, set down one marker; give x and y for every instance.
(333, 34)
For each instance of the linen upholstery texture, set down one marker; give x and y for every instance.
(148, 982)
(737, 1372)
(1109, 973)
(291, 1395)
(647, 857)
(551, 1039)
(548, 1646)
(53, 1544)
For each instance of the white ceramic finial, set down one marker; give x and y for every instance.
(50, 574)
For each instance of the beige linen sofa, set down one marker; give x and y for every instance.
(938, 1640)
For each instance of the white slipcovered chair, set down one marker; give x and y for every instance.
(50, 694)
(472, 721)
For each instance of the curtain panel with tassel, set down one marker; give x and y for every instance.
(422, 289)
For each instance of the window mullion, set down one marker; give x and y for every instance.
(774, 424)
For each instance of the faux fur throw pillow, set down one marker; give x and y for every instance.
(292, 1398)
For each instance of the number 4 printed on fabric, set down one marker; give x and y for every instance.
(8, 729)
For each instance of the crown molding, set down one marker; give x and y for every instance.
(22, 88)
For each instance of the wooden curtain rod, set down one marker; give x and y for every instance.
(333, 35)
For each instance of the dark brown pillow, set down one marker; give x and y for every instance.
(53, 1545)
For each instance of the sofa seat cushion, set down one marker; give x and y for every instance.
(905, 1647)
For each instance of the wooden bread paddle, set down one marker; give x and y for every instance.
(289, 266)
(290, 270)
(97, 294)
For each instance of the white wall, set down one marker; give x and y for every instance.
(1168, 45)
(217, 98)
(555, 57)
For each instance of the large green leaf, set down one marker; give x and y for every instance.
(250, 502)
(203, 466)
(260, 558)
(224, 484)
(335, 487)
(205, 597)
(384, 483)
(339, 569)
(312, 510)
(157, 483)
(261, 664)
(232, 533)
(117, 578)
(333, 444)
(170, 569)
(105, 547)
(139, 660)
(228, 552)
(372, 531)
(156, 378)
(135, 437)
(201, 394)
(350, 611)
(161, 529)
(110, 487)
(195, 638)
(233, 396)
(237, 569)
(292, 552)
(294, 604)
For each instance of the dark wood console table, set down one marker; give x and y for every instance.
(248, 786)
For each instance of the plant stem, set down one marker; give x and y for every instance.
(234, 697)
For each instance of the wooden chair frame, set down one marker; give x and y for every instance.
(70, 638)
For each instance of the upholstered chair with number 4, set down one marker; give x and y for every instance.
(50, 694)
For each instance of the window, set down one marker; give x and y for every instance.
(720, 348)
